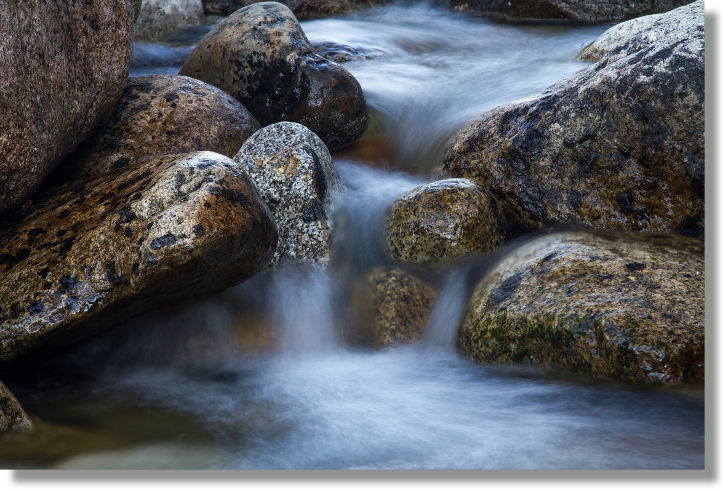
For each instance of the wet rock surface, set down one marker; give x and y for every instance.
(578, 11)
(12, 416)
(620, 307)
(342, 53)
(50, 98)
(158, 18)
(97, 252)
(394, 307)
(260, 56)
(293, 171)
(160, 115)
(618, 146)
(441, 221)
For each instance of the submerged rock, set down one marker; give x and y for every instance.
(160, 17)
(50, 98)
(342, 53)
(293, 171)
(618, 146)
(261, 56)
(161, 115)
(578, 11)
(625, 308)
(441, 221)
(94, 253)
(393, 306)
(12, 416)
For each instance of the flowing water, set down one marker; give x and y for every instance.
(268, 375)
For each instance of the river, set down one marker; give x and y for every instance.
(264, 376)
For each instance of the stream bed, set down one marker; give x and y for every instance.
(263, 375)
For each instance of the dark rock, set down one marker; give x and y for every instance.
(161, 115)
(627, 307)
(157, 18)
(12, 416)
(618, 146)
(261, 56)
(293, 171)
(50, 97)
(393, 307)
(578, 11)
(128, 245)
(441, 221)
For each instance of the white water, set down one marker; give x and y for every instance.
(264, 370)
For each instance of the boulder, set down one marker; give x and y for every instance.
(161, 115)
(95, 252)
(576, 11)
(643, 31)
(393, 307)
(293, 171)
(12, 416)
(619, 307)
(260, 55)
(50, 96)
(618, 146)
(441, 221)
(160, 17)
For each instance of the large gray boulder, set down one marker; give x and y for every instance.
(260, 55)
(64, 66)
(95, 252)
(618, 146)
(618, 307)
(579, 11)
(161, 115)
(293, 171)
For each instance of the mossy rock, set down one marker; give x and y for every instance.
(12, 416)
(619, 307)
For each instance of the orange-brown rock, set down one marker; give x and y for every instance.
(95, 252)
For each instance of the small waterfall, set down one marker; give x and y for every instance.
(445, 318)
(301, 302)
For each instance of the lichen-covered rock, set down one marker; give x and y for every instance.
(293, 171)
(618, 146)
(393, 307)
(578, 11)
(627, 307)
(160, 17)
(643, 31)
(12, 416)
(161, 115)
(441, 221)
(94, 253)
(260, 55)
(50, 96)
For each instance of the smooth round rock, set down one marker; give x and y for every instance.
(260, 56)
(160, 17)
(293, 171)
(617, 307)
(94, 253)
(441, 221)
(160, 115)
(50, 97)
